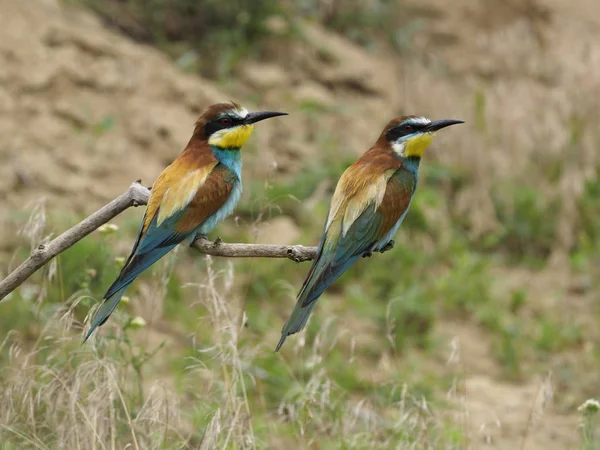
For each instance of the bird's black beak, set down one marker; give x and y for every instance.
(262, 115)
(439, 124)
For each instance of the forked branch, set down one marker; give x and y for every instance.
(134, 196)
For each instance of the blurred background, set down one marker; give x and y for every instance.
(478, 330)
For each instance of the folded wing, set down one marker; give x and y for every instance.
(178, 206)
(363, 210)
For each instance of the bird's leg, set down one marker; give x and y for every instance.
(197, 238)
(218, 241)
(385, 248)
(388, 246)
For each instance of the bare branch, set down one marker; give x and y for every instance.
(134, 196)
(298, 253)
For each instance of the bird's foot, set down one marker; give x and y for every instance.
(218, 241)
(367, 254)
(197, 238)
(388, 246)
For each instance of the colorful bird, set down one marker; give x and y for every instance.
(198, 190)
(370, 201)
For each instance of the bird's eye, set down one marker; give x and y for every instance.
(408, 127)
(225, 121)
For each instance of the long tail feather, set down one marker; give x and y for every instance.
(320, 278)
(296, 322)
(105, 310)
(136, 265)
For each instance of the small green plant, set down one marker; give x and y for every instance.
(589, 210)
(509, 348)
(410, 318)
(554, 336)
(589, 410)
(529, 221)
(365, 22)
(219, 31)
(466, 287)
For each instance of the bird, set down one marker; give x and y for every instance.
(368, 206)
(191, 196)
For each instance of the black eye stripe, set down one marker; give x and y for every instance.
(403, 129)
(215, 125)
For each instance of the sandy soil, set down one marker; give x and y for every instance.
(84, 111)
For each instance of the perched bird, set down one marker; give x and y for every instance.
(198, 190)
(370, 201)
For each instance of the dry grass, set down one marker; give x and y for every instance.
(59, 394)
(507, 195)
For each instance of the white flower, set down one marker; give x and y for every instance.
(590, 407)
(107, 228)
(137, 322)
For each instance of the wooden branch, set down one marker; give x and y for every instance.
(134, 196)
(298, 253)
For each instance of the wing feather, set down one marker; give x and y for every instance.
(185, 195)
(155, 239)
(369, 202)
(216, 190)
(398, 194)
(180, 194)
(177, 185)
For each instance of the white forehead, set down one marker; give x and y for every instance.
(241, 112)
(419, 120)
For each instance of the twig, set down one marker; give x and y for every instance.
(297, 253)
(138, 195)
(134, 196)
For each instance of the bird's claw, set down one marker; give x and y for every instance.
(197, 238)
(218, 241)
(385, 248)
(388, 246)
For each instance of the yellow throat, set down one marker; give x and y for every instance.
(417, 145)
(231, 137)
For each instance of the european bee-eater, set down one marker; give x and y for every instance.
(370, 201)
(198, 190)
